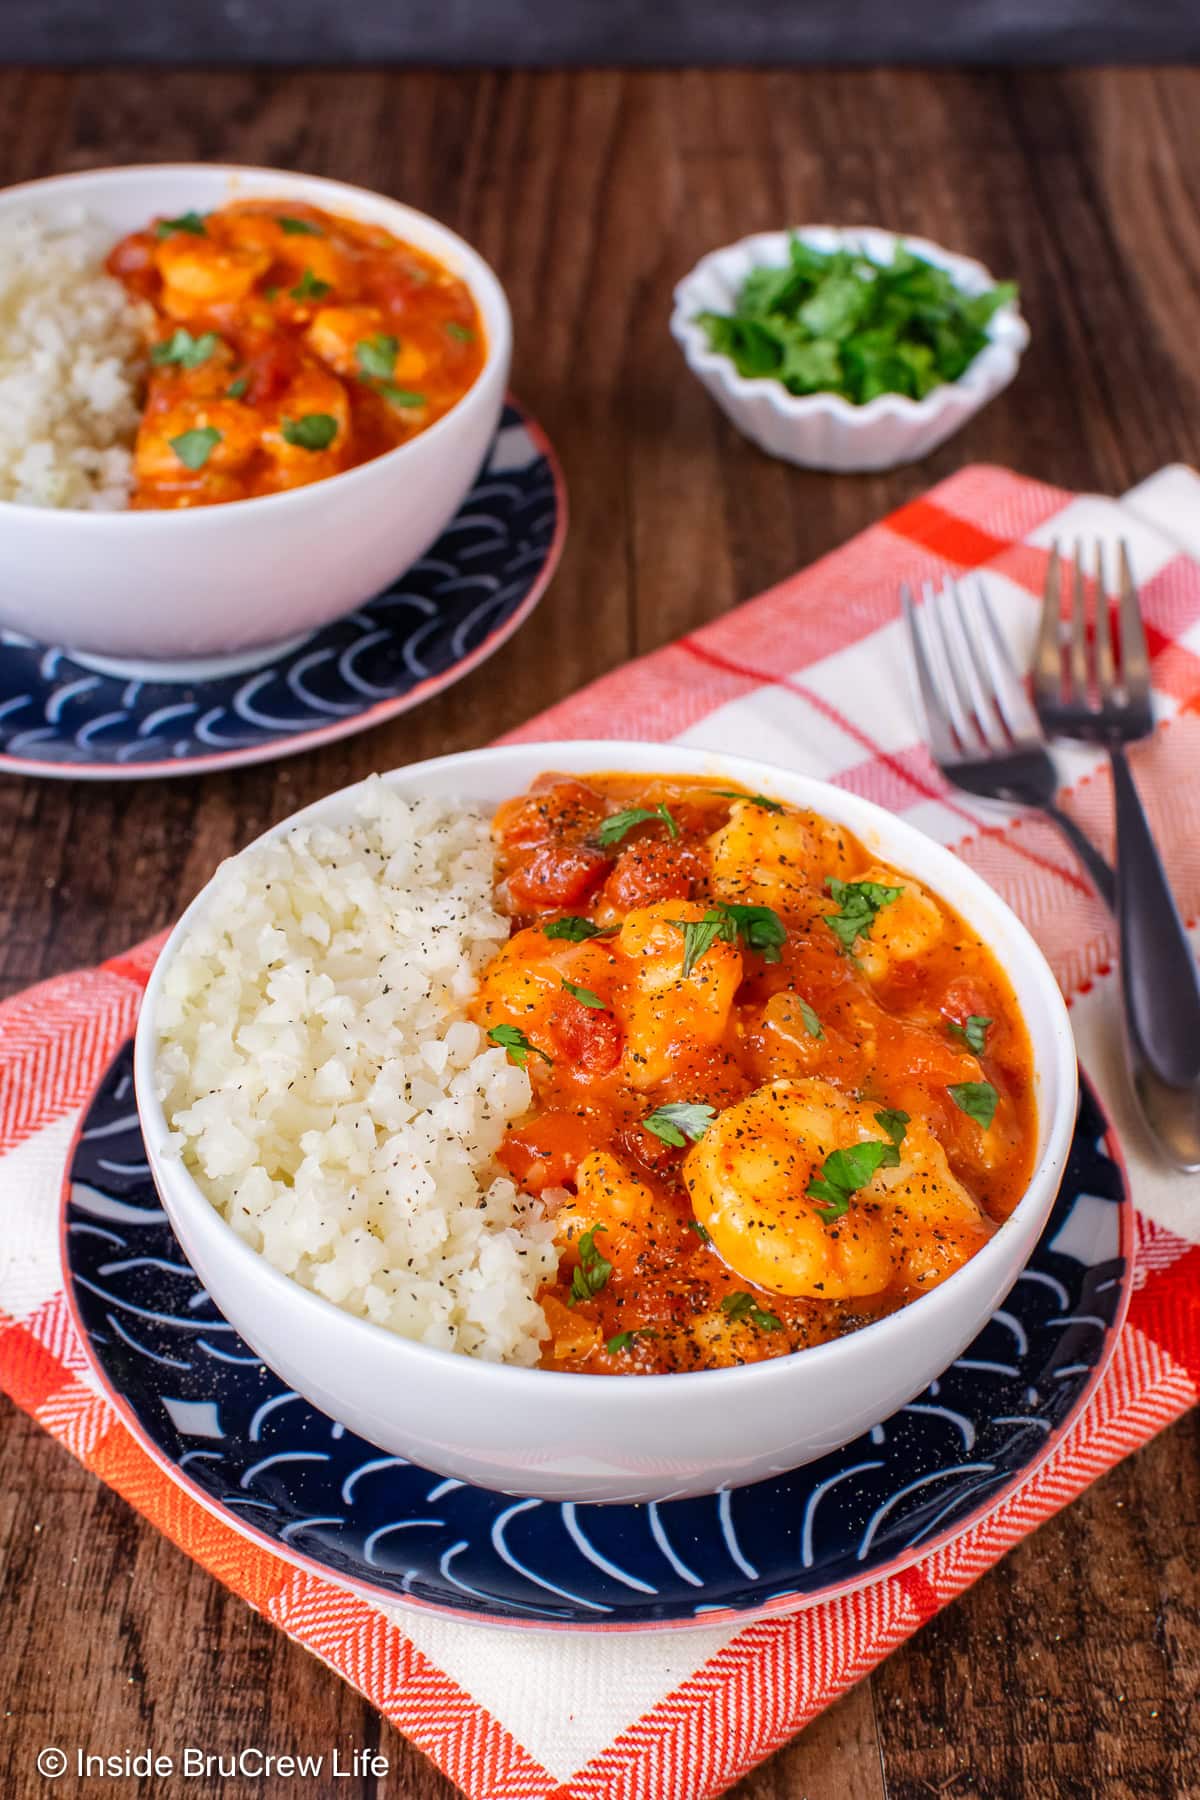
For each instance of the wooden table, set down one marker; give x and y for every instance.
(1072, 1669)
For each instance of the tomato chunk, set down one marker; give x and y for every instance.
(651, 869)
(545, 1152)
(557, 875)
(586, 1037)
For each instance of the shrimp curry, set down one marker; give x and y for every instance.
(779, 1089)
(288, 344)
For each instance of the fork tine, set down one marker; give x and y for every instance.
(1047, 655)
(971, 733)
(937, 722)
(1135, 659)
(977, 675)
(1007, 686)
(1077, 652)
(1105, 666)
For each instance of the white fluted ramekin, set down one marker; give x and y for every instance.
(824, 431)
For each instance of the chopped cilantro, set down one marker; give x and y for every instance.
(845, 1171)
(462, 332)
(314, 431)
(978, 1099)
(742, 1306)
(398, 396)
(191, 222)
(857, 902)
(376, 356)
(300, 228)
(310, 288)
(182, 348)
(678, 1121)
(838, 322)
(513, 1039)
(973, 1033)
(758, 927)
(754, 799)
(624, 1339)
(812, 1024)
(617, 825)
(193, 448)
(701, 1231)
(585, 996)
(237, 388)
(591, 1271)
(576, 930)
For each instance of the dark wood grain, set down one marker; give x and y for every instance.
(1072, 1670)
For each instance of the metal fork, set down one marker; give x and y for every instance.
(1101, 693)
(981, 729)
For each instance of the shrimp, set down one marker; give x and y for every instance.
(613, 1202)
(314, 393)
(912, 1223)
(902, 930)
(668, 1012)
(772, 859)
(199, 272)
(337, 332)
(524, 985)
(156, 457)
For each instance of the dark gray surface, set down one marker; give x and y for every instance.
(548, 32)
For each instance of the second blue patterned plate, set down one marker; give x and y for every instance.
(256, 1454)
(86, 719)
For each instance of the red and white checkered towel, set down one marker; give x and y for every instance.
(812, 675)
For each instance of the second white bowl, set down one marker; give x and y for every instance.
(620, 1438)
(824, 431)
(221, 579)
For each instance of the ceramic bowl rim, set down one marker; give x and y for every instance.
(185, 1195)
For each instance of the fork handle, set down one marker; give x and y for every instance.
(1159, 979)
(1099, 872)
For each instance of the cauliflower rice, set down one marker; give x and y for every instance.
(72, 358)
(327, 1092)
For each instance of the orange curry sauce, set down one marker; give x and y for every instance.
(287, 345)
(787, 1041)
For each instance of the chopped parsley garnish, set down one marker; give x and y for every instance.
(182, 348)
(857, 902)
(310, 288)
(592, 1269)
(759, 928)
(743, 1306)
(585, 996)
(237, 388)
(462, 332)
(973, 1033)
(376, 356)
(615, 827)
(754, 799)
(978, 1099)
(812, 1024)
(193, 448)
(300, 228)
(838, 322)
(701, 1231)
(678, 1121)
(576, 930)
(513, 1039)
(624, 1339)
(845, 1171)
(189, 221)
(397, 396)
(314, 431)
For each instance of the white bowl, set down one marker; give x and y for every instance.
(220, 579)
(594, 1437)
(824, 431)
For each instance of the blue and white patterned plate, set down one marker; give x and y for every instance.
(76, 718)
(261, 1457)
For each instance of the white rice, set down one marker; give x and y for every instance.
(72, 357)
(328, 1093)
